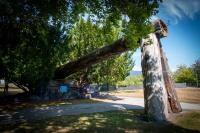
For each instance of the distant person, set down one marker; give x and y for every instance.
(6, 88)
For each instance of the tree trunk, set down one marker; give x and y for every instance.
(92, 58)
(155, 95)
(173, 101)
(25, 89)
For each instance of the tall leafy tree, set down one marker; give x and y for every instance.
(31, 40)
(132, 80)
(184, 75)
(86, 37)
(196, 68)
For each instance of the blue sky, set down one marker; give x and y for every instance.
(182, 45)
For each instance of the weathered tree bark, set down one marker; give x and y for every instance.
(94, 57)
(173, 101)
(155, 95)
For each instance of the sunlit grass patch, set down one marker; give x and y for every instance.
(113, 121)
(190, 121)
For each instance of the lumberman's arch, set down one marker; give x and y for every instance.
(159, 91)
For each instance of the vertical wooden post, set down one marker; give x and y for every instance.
(155, 95)
(173, 101)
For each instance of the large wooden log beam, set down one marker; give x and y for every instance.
(92, 58)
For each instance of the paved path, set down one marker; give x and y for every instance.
(35, 113)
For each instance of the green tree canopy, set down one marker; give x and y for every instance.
(184, 75)
(87, 36)
(196, 68)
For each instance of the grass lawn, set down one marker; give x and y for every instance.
(113, 121)
(108, 122)
(190, 121)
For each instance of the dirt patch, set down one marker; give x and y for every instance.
(190, 95)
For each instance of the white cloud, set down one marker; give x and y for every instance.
(176, 10)
(172, 9)
(137, 68)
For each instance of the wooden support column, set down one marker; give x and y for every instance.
(155, 95)
(173, 101)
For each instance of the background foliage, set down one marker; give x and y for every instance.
(88, 36)
(188, 74)
(132, 80)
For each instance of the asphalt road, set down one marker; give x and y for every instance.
(36, 113)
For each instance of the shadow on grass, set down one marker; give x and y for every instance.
(114, 121)
(122, 120)
(21, 113)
